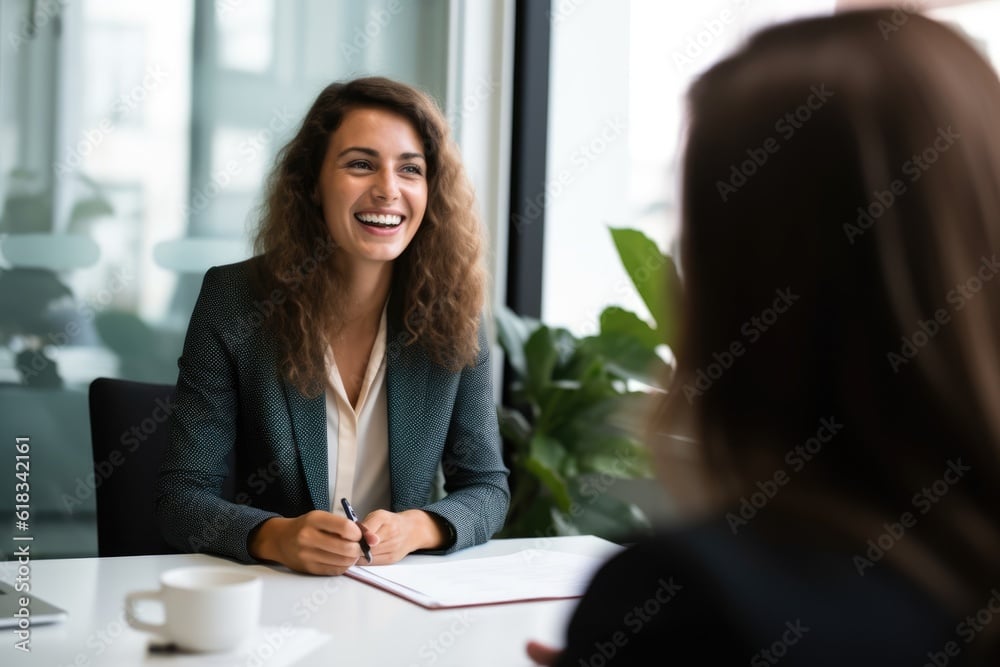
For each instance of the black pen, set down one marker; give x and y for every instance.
(349, 511)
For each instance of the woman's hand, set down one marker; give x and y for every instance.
(392, 536)
(541, 654)
(317, 542)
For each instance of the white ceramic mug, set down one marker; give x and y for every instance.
(205, 608)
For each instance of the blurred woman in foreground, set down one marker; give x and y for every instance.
(836, 405)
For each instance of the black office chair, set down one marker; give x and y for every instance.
(128, 429)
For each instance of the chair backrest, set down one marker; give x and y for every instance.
(128, 428)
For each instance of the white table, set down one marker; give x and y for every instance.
(308, 620)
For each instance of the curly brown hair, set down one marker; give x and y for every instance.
(439, 280)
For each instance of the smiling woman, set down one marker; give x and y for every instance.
(365, 370)
(373, 198)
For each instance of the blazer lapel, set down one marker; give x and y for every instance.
(406, 376)
(308, 418)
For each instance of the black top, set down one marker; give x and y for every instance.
(704, 595)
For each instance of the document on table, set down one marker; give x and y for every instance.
(532, 574)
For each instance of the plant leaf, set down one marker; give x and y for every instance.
(628, 346)
(540, 357)
(514, 427)
(598, 512)
(655, 278)
(620, 457)
(560, 404)
(545, 460)
(534, 521)
(512, 334)
(616, 321)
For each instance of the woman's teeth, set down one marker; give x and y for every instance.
(379, 220)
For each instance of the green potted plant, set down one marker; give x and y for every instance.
(573, 425)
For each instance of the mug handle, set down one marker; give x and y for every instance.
(132, 618)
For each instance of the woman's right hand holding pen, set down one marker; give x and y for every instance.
(317, 542)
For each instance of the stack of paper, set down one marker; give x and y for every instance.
(526, 575)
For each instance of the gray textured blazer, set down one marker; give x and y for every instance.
(231, 401)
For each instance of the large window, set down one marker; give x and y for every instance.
(619, 72)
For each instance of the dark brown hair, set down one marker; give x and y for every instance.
(841, 215)
(440, 274)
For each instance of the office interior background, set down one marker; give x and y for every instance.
(135, 138)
